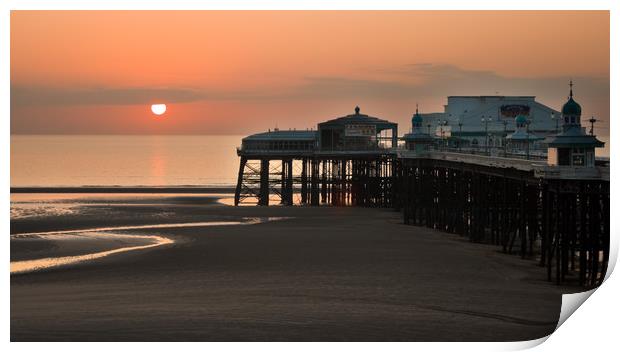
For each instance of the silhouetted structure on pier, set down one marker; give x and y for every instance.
(347, 161)
(417, 139)
(555, 210)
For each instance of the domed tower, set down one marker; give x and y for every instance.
(522, 140)
(571, 111)
(418, 140)
(573, 147)
(416, 121)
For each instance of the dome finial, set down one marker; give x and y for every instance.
(357, 110)
(416, 108)
(571, 109)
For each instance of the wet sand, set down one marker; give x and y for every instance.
(325, 274)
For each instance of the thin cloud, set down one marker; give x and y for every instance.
(41, 96)
(419, 82)
(405, 82)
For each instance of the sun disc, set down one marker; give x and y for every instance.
(158, 109)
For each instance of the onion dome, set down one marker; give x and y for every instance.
(417, 119)
(521, 120)
(571, 107)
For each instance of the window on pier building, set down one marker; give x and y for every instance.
(552, 156)
(331, 139)
(564, 156)
(579, 158)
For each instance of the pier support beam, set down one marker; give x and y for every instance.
(304, 181)
(240, 180)
(287, 182)
(314, 182)
(263, 196)
(324, 181)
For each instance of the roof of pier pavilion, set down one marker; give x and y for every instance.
(359, 119)
(283, 135)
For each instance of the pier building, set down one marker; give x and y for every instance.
(486, 121)
(347, 160)
(417, 139)
(573, 147)
(522, 140)
(357, 132)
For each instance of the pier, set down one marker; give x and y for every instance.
(548, 214)
(550, 206)
(346, 161)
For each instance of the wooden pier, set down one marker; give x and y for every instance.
(561, 222)
(337, 179)
(556, 214)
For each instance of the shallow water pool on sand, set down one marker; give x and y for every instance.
(30, 205)
(24, 266)
(131, 242)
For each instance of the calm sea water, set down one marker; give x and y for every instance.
(112, 160)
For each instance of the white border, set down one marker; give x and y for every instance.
(592, 327)
(307, 5)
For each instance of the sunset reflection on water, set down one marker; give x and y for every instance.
(87, 160)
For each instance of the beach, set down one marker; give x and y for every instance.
(273, 274)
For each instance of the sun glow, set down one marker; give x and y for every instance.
(158, 109)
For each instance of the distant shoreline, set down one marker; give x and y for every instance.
(125, 189)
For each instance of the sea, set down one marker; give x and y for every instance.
(209, 161)
(123, 160)
(116, 161)
(130, 160)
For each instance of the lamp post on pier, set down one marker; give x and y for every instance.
(485, 121)
(460, 133)
(505, 135)
(592, 120)
(557, 121)
(527, 139)
(442, 124)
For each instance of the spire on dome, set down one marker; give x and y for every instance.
(571, 108)
(417, 120)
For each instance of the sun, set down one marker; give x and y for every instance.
(158, 109)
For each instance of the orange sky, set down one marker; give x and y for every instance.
(242, 71)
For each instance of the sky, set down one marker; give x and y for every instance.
(239, 72)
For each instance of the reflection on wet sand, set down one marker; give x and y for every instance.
(24, 266)
(30, 205)
(245, 221)
(45, 263)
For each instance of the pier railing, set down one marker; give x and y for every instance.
(336, 149)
